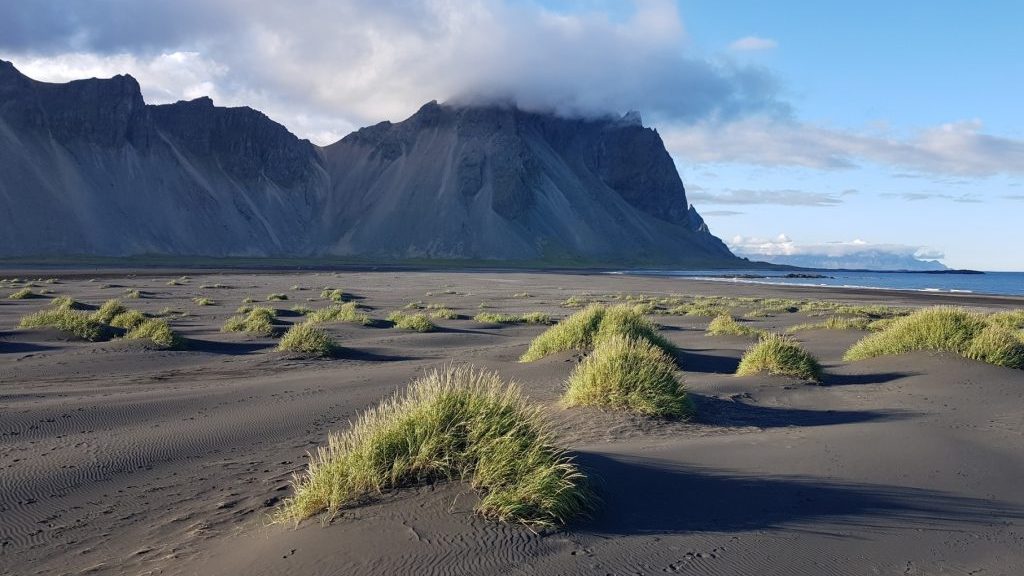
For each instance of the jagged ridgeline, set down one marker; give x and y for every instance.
(88, 168)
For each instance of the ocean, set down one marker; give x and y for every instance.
(998, 283)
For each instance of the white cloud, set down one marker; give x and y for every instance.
(362, 61)
(960, 148)
(787, 197)
(753, 44)
(783, 245)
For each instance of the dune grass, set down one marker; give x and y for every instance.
(454, 423)
(777, 354)
(278, 297)
(203, 301)
(106, 312)
(945, 329)
(528, 318)
(416, 322)
(156, 331)
(259, 320)
(726, 325)
(834, 323)
(333, 294)
(625, 373)
(1012, 319)
(128, 320)
(74, 322)
(21, 294)
(308, 339)
(443, 313)
(347, 312)
(586, 328)
(132, 293)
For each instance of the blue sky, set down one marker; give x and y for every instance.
(798, 128)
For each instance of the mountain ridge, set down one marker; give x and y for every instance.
(90, 168)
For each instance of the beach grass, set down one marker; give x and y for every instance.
(626, 373)
(74, 322)
(259, 321)
(347, 312)
(987, 338)
(418, 322)
(777, 354)
(586, 328)
(309, 339)
(726, 325)
(457, 423)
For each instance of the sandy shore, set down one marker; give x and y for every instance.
(116, 458)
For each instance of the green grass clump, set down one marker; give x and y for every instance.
(443, 313)
(308, 339)
(573, 333)
(128, 320)
(259, 320)
(65, 302)
(455, 423)
(156, 331)
(132, 293)
(277, 297)
(108, 310)
(781, 355)
(249, 300)
(1012, 319)
(586, 328)
(70, 321)
(624, 373)
(528, 318)
(333, 294)
(347, 312)
(726, 325)
(203, 301)
(834, 323)
(21, 294)
(945, 329)
(416, 322)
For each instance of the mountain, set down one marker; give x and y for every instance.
(88, 168)
(860, 260)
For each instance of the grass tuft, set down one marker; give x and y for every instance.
(624, 373)
(455, 423)
(259, 320)
(70, 321)
(347, 312)
(726, 325)
(203, 301)
(128, 320)
(308, 339)
(586, 328)
(781, 355)
(973, 335)
(836, 323)
(417, 322)
(277, 297)
(528, 318)
(21, 294)
(106, 312)
(156, 331)
(443, 313)
(333, 294)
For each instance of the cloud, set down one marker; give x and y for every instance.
(959, 148)
(753, 44)
(720, 213)
(779, 197)
(853, 254)
(918, 196)
(361, 61)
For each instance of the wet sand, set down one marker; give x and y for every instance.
(117, 458)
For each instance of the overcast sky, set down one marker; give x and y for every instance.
(796, 126)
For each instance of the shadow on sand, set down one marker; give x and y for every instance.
(721, 412)
(691, 361)
(828, 379)
(642, 496)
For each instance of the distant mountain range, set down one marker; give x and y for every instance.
(861, 260)
(88, 168)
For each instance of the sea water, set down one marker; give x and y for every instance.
(1001, 283)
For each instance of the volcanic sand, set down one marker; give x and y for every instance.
(120, 458)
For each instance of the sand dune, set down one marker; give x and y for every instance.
(118, 458)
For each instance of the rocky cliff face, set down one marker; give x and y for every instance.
(88, 168)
